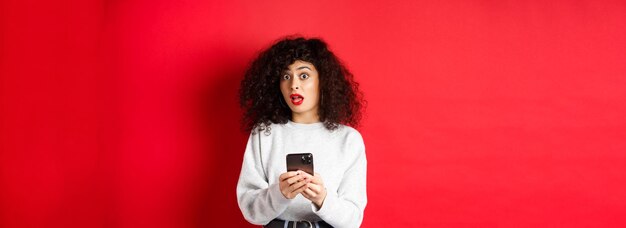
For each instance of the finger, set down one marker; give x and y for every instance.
(297, 186)
(315, 187)
(294, 179)
(307, 175)
(300, 189)
(305, 194)
(310, 193)
(317, 179)
(314, 179)
(288, 175)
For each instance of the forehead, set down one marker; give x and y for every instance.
(300, 65)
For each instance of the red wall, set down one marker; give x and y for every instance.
(481, 113)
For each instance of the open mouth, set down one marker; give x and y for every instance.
(296, 99)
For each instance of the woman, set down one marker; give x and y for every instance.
(298, 98)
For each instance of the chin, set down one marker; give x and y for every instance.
(298, 110)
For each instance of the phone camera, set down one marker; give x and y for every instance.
(307, 159)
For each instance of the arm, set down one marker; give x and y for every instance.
(258, 201)
(345, 207)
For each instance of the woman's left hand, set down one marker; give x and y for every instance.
(315, 191)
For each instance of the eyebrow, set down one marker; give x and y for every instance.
(302, 67)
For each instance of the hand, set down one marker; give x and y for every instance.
(315, 190)
(293, 183)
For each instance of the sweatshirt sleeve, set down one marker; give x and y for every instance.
(258, 201)
(345, 207)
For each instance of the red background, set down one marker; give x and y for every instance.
(481, 113)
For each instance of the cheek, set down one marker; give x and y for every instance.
(311, 86)
(313, 89)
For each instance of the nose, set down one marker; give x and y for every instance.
(295, 84)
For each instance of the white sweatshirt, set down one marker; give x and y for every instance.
(339, 158)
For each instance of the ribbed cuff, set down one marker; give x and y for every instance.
(327, 207)
(277, 198)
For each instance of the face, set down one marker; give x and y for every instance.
(299, 85)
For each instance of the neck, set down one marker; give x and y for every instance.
(305, 118)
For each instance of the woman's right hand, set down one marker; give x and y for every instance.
(292, 183)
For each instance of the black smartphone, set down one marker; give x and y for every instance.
(302, 162)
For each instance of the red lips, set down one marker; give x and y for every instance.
(296, 99)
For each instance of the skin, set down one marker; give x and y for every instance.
(302, 78)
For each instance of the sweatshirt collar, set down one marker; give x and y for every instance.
(295, 125)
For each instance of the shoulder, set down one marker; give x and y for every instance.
(348, 131)
(352, 145)
(267, 130)
(349, 134)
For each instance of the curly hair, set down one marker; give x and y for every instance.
(341, 102)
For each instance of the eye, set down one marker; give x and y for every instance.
(286, 77)
(304, 76)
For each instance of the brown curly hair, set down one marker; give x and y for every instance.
(341, 102)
